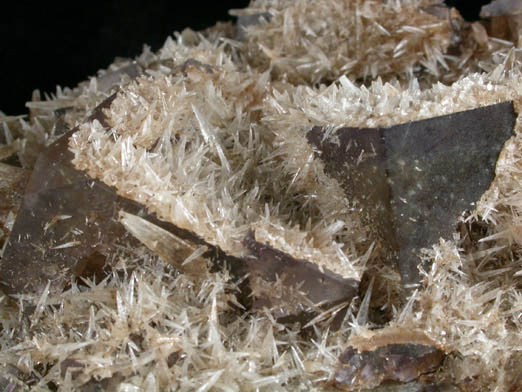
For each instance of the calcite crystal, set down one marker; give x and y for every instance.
(311, 42)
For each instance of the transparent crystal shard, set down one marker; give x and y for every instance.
(114, 78)
(243, 21)
(412, 181)
(183, 255)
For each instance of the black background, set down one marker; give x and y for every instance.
(44, 44)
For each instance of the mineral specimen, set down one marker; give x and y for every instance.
(232, 154)
(388, 355)
(67, 221)
(416, 179)
(12, 187)
(318, 286)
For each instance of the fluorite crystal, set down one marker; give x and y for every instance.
(393, 355)
(69, 224)
(320, 287)
(414, 180)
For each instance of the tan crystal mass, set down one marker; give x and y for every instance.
(192, 148)
(310, 42)
(218, 145)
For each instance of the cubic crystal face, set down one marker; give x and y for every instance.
(415, 179)
(67, 222)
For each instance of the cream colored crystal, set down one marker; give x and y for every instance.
(173, 250)
(309, 42)
(192, 148)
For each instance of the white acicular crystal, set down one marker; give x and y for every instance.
(211, 137)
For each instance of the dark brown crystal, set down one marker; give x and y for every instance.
(66, 222)
(12, 184)
(414, 180)
(395, 355)
(320, 287)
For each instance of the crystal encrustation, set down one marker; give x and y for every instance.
(413, 180)
(14, 180)
(78, 225)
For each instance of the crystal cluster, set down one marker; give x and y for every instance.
(197, 231)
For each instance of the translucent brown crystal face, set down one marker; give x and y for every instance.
(67, 224)
(393, 354)
(414, 180)
(319, 287)
(12, 187)
(395, 362)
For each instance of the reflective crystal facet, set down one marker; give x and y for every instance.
(414, 180)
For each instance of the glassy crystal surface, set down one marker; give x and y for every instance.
(67, 222)
(394, 362)
(319, 287)
(414, 180)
